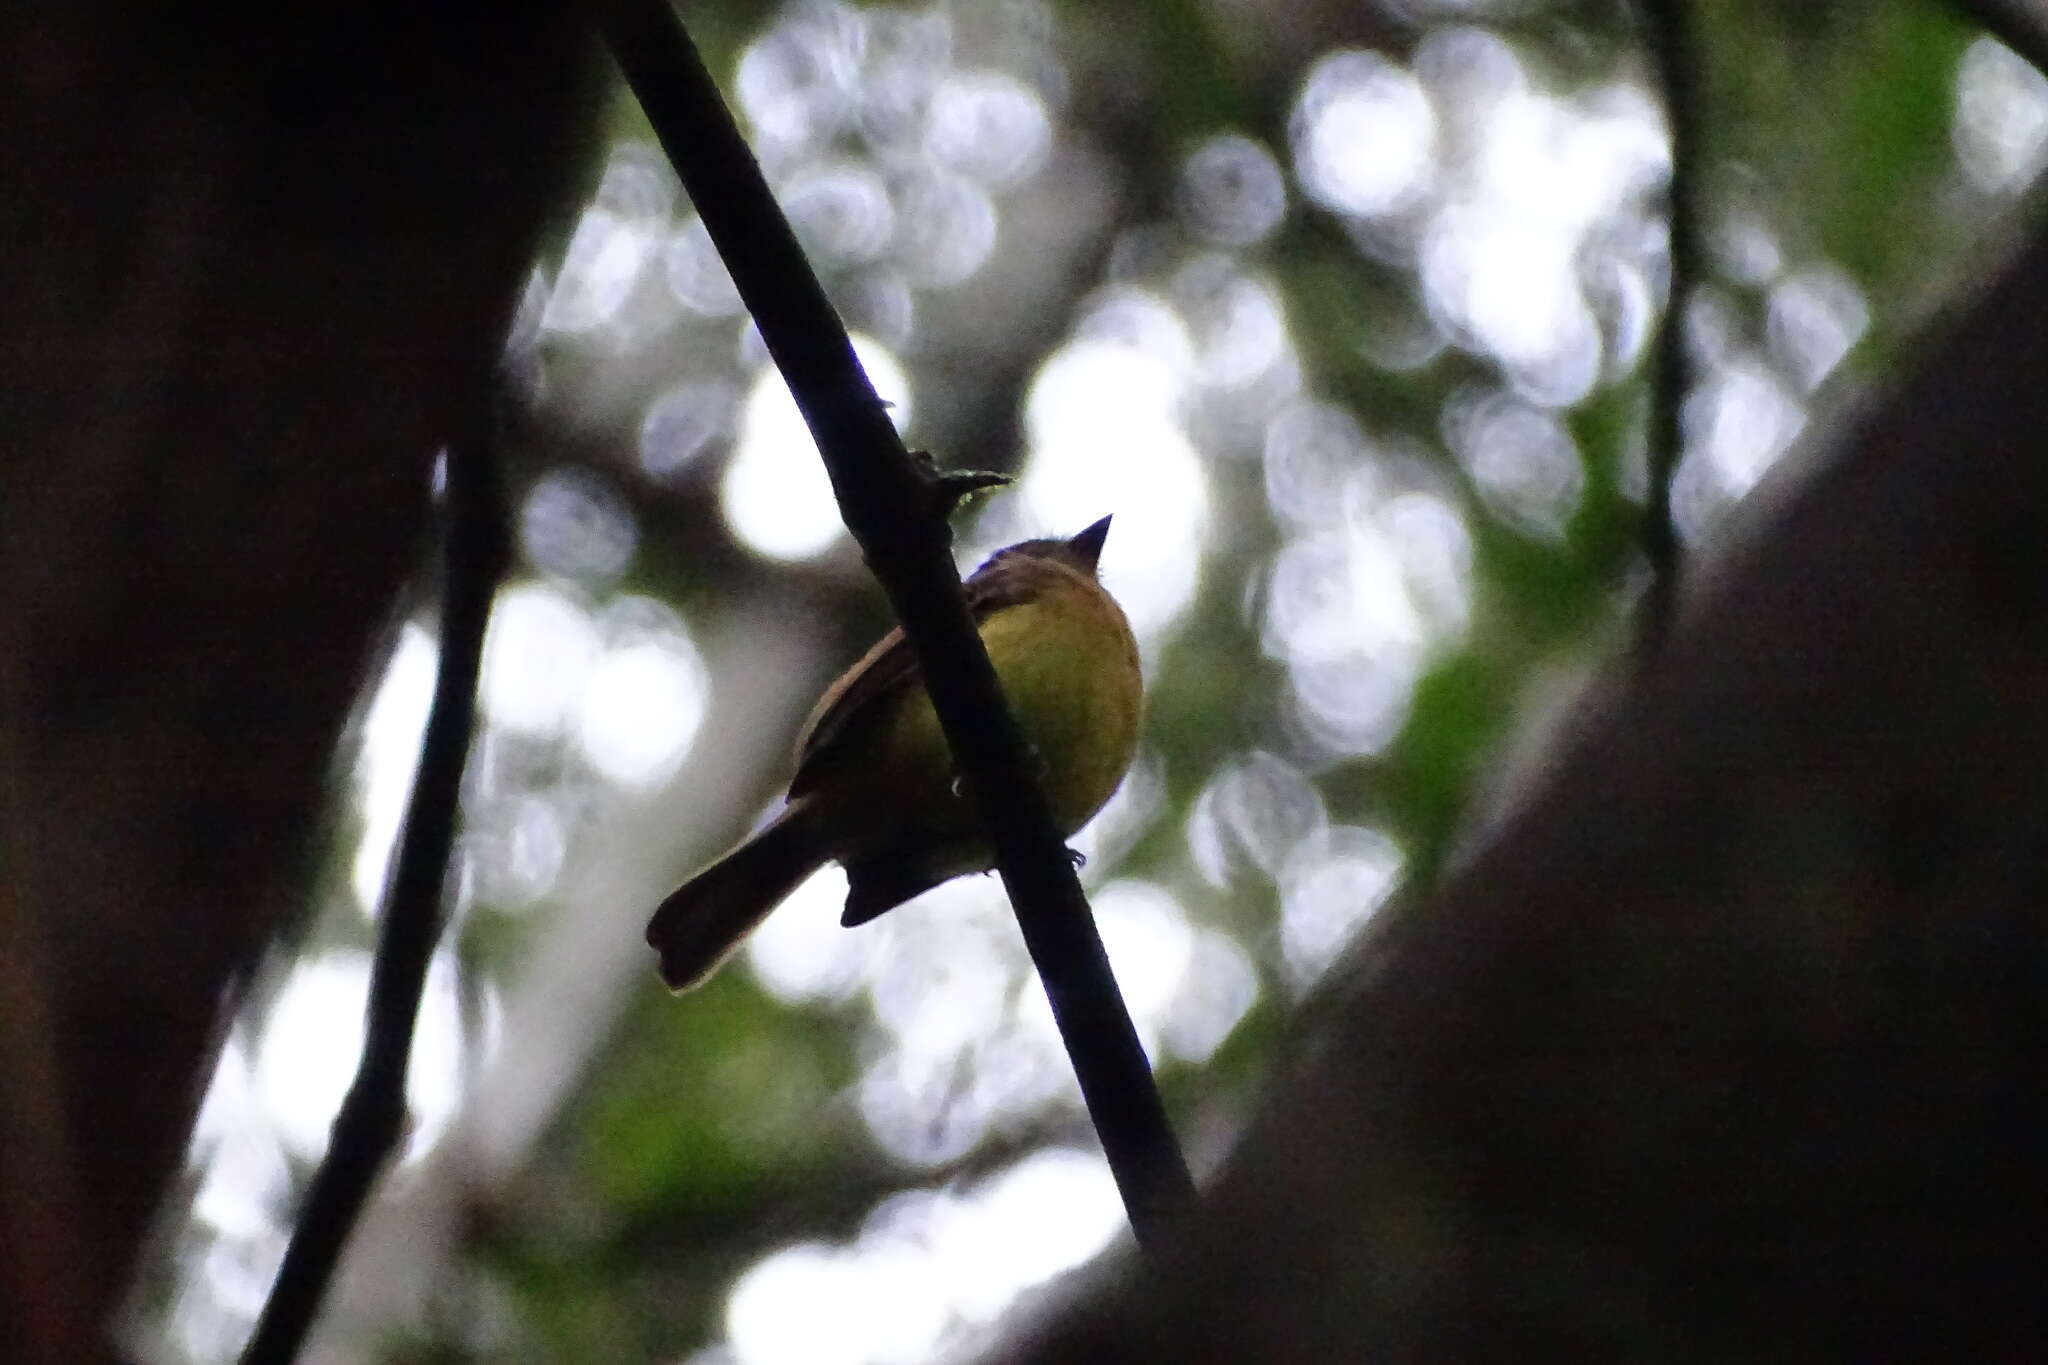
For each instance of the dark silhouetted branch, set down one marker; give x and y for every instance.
(372, 1117)
(889, 507)
(1668, 23)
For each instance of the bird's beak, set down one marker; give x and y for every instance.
(1088, 545)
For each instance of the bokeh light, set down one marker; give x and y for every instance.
(1364, 135)
(841, 211)
(1496, 187)
(775, 494)
(802, 956)
(685, 422)
(538, 653)
(1231, 191)
(1815, 316)
(1106, 438)
(949, 228)
(645, 696)
(619, 235)
(1521, 459)
(696, 276)
(1254, 813)
(574, 524)
(307, 1054)
(1741, 421)
(1355, 610)
(1331, 885)
(927, 1269)
(1499, 259)
(2001, 123)
(390, 740)
(989, 126)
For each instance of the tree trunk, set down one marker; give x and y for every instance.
(256, 272)
(1725, 1040)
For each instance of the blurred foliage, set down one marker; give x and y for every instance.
(708, 1132)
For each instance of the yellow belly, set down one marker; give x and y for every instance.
(1069, 668)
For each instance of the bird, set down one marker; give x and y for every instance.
(874, 788)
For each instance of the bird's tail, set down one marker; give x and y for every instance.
(706, 918)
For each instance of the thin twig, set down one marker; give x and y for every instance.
(372, 1117)
(890, 509)
(1670, 39)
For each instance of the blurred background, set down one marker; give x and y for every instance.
(1344, 312)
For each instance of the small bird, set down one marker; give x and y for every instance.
(874, 788)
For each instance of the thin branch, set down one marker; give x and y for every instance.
(892, 511)
(1670, 38)
(372, 1117)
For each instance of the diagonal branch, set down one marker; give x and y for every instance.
(890, 508)
(372, 1117)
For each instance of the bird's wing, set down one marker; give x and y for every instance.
(887, 668)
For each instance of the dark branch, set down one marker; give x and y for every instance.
(1670, 39)
(889, 507)
(372, 1117)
